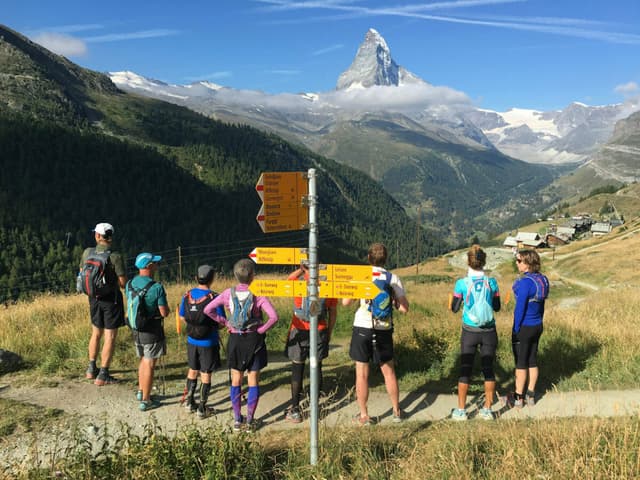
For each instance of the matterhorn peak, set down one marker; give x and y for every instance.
(373, 65)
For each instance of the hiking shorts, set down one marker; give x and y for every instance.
(362, 345)
(525, 346)
(246, 351)
(203, 359)
(151, 350)
(107, 314)
(298, 345)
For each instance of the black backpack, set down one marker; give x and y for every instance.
(97, 276)
(199, 326)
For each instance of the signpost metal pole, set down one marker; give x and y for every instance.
(313, 299)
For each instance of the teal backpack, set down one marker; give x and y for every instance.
(138, 318)
(480, 311)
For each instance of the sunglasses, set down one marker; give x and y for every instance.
(518, 260)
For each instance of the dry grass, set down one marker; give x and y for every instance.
(594, 343)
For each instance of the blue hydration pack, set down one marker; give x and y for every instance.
(381, 306)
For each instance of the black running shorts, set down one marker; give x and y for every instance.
(107, 314)
(203, 359)
(246, 351)
(362, 345)
(298, 345)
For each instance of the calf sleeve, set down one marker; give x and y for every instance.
(205, 388)
(252, 402)
(236, 399)
(191, 387)
(297, 372)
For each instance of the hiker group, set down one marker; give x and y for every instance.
(102, 275)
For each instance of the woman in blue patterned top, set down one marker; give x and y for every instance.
(531, 290)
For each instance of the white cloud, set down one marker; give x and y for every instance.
(332, 48)
(547, 25)
(117, 37)
(284, 72)
(61, 44)
(627, 88)
(406, 98)
(211, 76)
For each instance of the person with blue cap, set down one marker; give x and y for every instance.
(149, 338)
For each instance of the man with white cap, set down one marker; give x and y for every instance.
(107, 305)
(149, 339)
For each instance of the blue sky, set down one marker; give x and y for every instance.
(540, 54)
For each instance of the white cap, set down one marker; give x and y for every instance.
(103, 228)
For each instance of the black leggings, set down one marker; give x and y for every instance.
(469, 343)
(525, 346)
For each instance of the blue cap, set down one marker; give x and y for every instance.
(144, 259)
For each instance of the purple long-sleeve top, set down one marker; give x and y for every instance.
(259, 303)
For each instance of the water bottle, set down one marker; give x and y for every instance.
(79, 283)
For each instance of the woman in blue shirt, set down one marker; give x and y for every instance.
(531, 290)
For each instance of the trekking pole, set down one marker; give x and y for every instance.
(162, 375)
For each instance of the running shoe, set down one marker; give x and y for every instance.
(251, 426)
(190, 405)
(147, 405)
(399, 417)
(139, 395)
(238, 424)
(530, 399)
(459, 414)
(91, 373)
(204, 411)
(361, 421)
(486, 414)
(104, 379)
(293, 415)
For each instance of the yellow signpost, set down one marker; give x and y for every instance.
(347, 273)
(279, 288)
(278, 255)
(298, 288)
(283, 195)
(366, 290)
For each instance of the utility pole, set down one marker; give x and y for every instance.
(68, 236)
(418, 241)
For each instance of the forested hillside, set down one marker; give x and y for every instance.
(164, 176)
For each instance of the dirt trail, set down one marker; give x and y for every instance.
(94, 408)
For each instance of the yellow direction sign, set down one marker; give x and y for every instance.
(298, 288)
(284, 205)
(278, 255)
(347, 273)
(292, 220)
(282, 186)
(348, 290)
(279, 288)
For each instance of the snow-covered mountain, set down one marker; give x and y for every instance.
(414, 137)
(561, 136)
(373, 65)
(374, 84)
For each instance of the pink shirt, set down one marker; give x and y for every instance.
(261, 303)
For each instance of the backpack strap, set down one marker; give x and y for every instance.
(542, 288)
